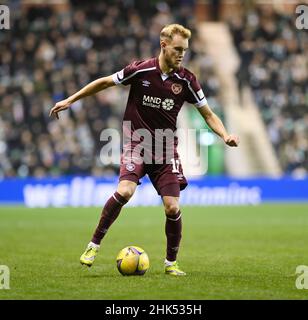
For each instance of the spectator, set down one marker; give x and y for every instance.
(47, 56)
(274, 64)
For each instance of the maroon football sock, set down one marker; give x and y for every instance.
(110, 212)
(173, 231)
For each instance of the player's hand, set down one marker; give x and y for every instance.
(232, 140)
(59, 106)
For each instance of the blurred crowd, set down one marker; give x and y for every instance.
(274, 63)
(47, 56)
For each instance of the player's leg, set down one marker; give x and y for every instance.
(168, 179)
(173, 231)
(110, 212)
(130, 174)
(112, 208)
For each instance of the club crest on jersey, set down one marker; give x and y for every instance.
(176, 88)
(130, 167)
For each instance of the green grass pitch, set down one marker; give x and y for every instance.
(228, 253)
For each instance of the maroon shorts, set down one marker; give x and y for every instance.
(167, 178)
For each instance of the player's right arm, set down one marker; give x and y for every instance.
(90, 89)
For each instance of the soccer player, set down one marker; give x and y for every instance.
(158, 88)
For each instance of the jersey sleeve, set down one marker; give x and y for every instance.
(126, 76)
(195, 94)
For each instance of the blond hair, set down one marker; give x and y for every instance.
(170, 30)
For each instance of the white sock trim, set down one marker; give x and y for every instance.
(169, 263)
(118, 201)
(176, 218)
(93, 245)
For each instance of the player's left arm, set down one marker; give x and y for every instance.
(217, 126)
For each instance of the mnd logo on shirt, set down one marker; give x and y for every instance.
(156, 102)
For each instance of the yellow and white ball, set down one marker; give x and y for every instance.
(132, 260)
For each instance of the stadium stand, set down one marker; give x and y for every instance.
(274, 65)
(50, 54)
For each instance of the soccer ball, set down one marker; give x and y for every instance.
(132, 260)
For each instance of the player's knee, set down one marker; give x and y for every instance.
(172, 208)
(126, 190)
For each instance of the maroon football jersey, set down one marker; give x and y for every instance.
(155, 99)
